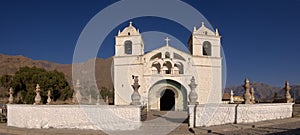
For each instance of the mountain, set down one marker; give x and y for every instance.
(11, 64)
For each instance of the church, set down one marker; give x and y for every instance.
(165, 74)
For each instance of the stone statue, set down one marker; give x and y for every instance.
(287, 88)
(37, 98)
(76, 95)
(247, 95)
(11, 98)
(231, 97)
(135, 97)
(252, 95)
(49, 97)
(193, 96)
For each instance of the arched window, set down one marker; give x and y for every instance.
(158, 55)
(206, 48)
(155, 68)
(128, 47)
(167, 55)
(180, 67)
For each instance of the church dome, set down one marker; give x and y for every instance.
(129, 31)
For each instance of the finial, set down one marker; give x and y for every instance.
(167, 41)
(202, 24)
(217, 32)
(130, 23)
(195, 29)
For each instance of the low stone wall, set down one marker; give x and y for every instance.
(218, 114)
(98, 117)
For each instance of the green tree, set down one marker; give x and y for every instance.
(24, 82)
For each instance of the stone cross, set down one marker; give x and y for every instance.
(193, 96)
(247, 95)
(11, 98)
(287, 88)
(135, 97)
(252, 95)
(167, 41)
(231, 97)
(49, 97)
(37, 98)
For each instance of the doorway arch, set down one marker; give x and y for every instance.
(167, 95)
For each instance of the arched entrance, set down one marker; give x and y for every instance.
(167, 95)
(167, 100)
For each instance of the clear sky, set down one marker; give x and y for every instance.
(260, 37)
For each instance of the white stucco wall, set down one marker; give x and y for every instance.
(74, 116)
(214, 114)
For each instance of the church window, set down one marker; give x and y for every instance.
(128, 47)
(156, 56)
(167, 55)
(128, 33)
(206, 48)
(180, 67)
(179, 57)
(156, 68)
(167, 66)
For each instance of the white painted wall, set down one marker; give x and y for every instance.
(217, 114)
(73, 116)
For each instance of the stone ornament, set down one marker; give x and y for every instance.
(49, 97)
(37, 98)
(231, 97)
(11, 98)
(252, 95)
(287, 88)
(193, 96)
(247, 95)
(135, 97)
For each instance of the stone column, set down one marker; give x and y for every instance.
(231, 97)
(287, 88)
(90, 99)
(49, 97)
(135, 97)
(37, 98)
(98, 99)
(247, 95)
(252, 96)
(193, 96)
(11, 98)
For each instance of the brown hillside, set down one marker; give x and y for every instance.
(11, 64)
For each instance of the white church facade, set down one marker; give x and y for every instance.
(165, 73)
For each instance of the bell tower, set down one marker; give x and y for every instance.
(128, 62)
(129, 42)
(205, 48)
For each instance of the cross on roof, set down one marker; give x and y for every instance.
(167, 41)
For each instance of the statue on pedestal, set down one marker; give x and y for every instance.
(231, 97)
(11, 98)
(135, 97)
(287, 88)
(37, 98)
(193, 96)
(49, 97)
(252, 95)
(247, 95)
(76, 95)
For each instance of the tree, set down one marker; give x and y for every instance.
(25, 80)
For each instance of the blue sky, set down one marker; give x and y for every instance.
(260, 37)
